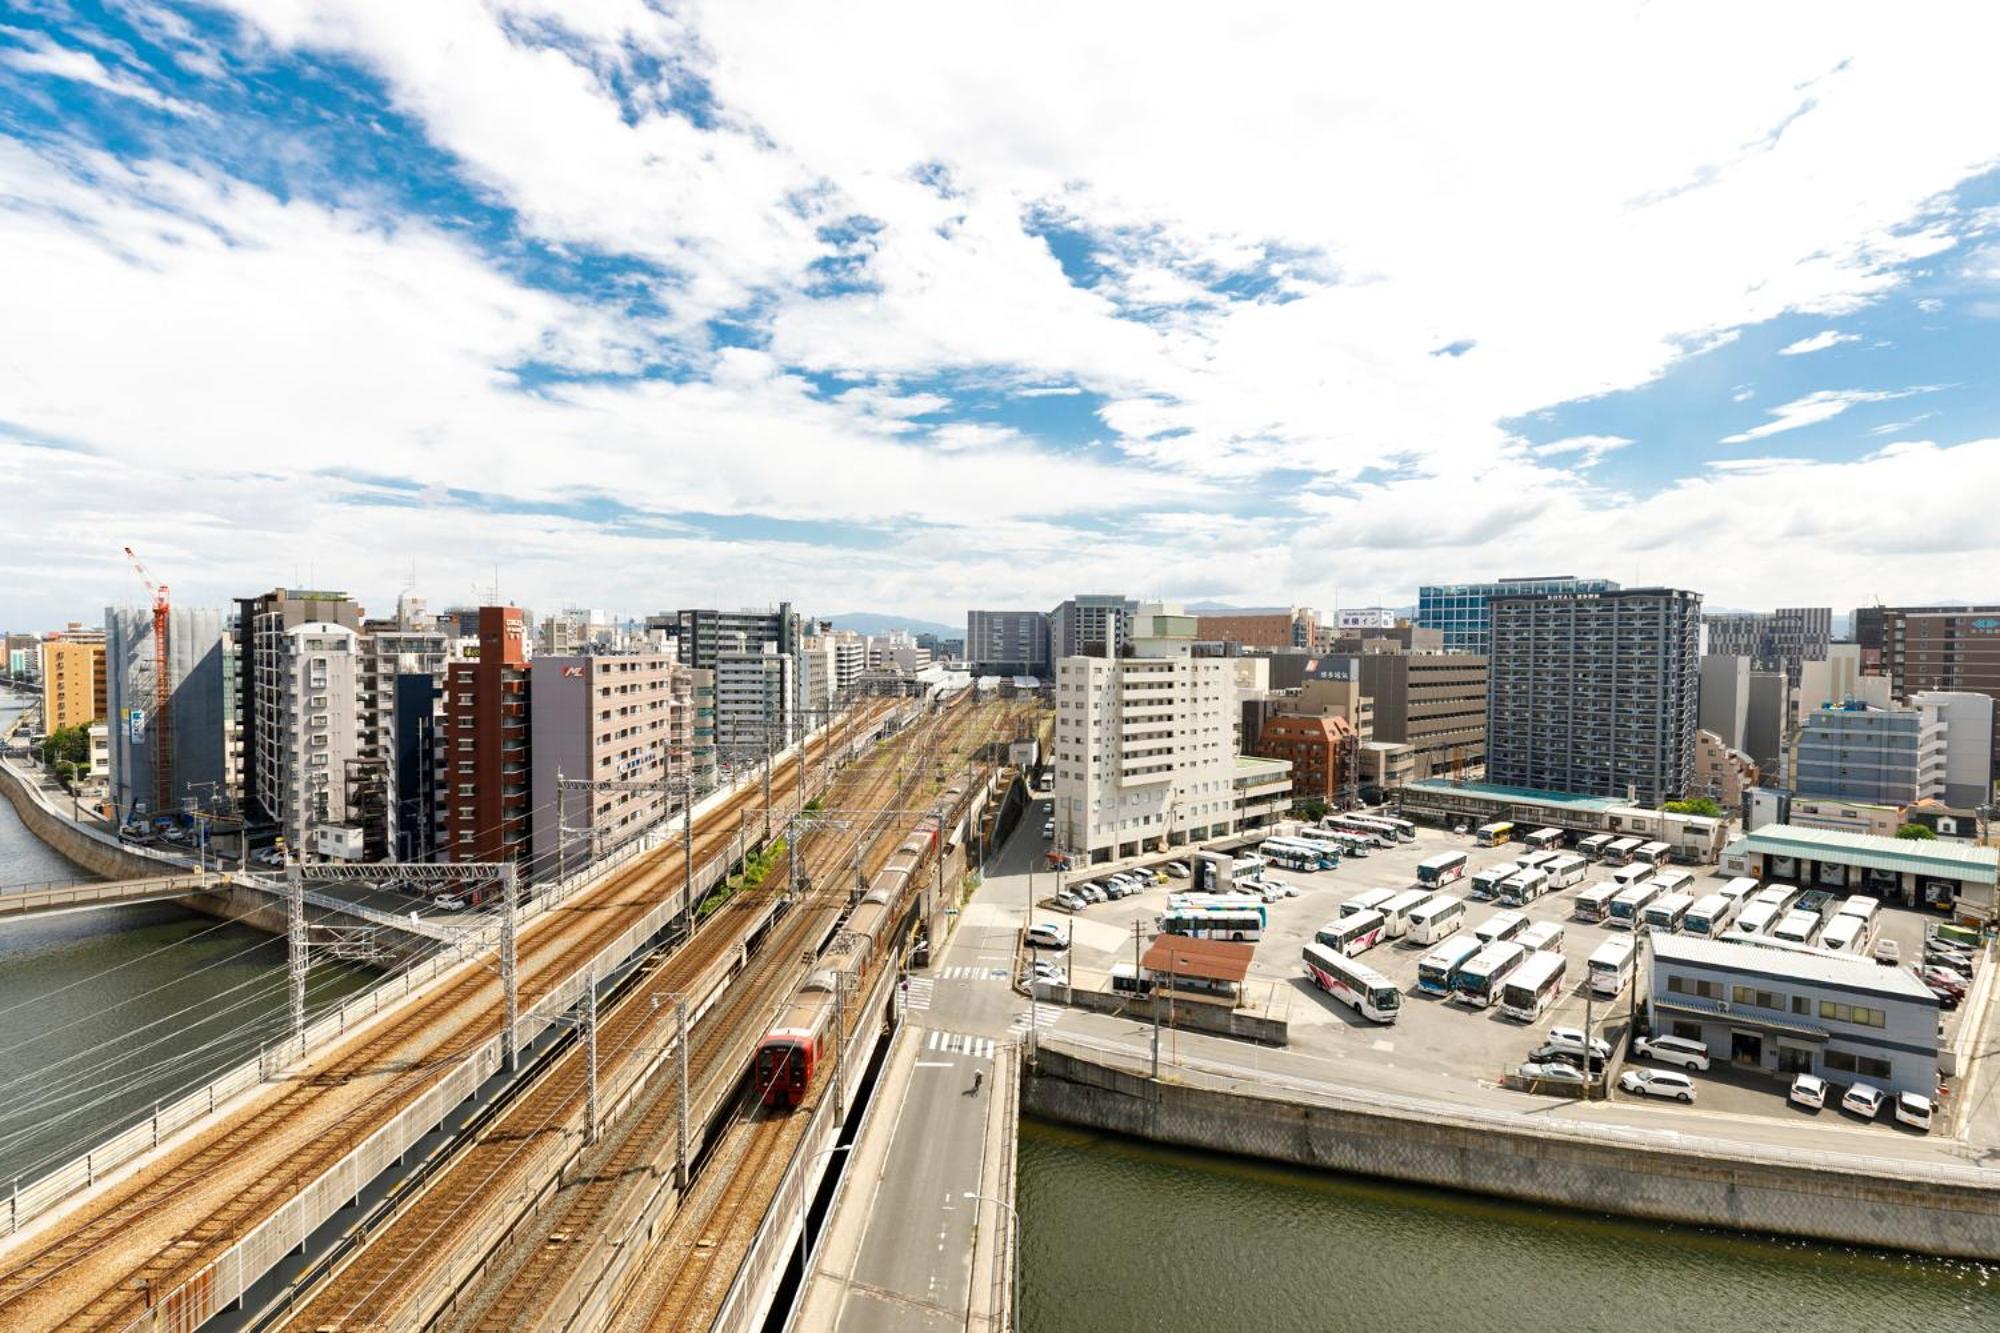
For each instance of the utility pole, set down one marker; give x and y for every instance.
(510, 981)
(295, 951)
(687, 841)
(590, 1036)
(562, 827)
(681, 1128)
(767, 786)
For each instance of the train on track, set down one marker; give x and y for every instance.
(790, 1056)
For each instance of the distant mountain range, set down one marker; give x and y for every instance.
(874, 622)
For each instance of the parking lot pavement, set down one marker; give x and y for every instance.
(1432, 1036)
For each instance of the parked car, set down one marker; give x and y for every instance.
(1547, 1054)
(1864, 1099)
(1948, 955)
(1914, 1109)
(1179, 869)
(1049, 831)
(1658, 1083)
(1888, 952)
(1095, 893)
(1574, 1041)
(1158, 873)
(1048, 972)
(449, 903)
(1808, 1090)
(1673, 1051)
(1069, 902)
(1047, 935)
(1946, 976)
(1553, 1071)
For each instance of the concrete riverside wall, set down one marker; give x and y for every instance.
(98, 857)
(1187, 1015)
(1823, 1203)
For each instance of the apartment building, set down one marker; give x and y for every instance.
(1324, 753)
(1144, 753)
(1852, 752)
(1943, 649)
(75, 688)
(704, 635)
(1007, 643)
(754, 689)
(1461, 611)
(307, 726)
(393, 791)
(192, 772)
(484, 779)
(1965, 726)
(1435, 703)
(1721, 772)
(1595, 692)
(1782, 640)
(260, 622)
(1091, 625)
(606, 718)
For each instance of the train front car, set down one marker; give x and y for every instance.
(788, 1058)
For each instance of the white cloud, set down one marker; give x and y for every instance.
(40, 54)
(1589, 449)
(1818, 342)
(1820, 405)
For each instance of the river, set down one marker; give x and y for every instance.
(105, 1012)
(1121, 1235)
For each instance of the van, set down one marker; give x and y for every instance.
(1864, 1100)
(1914, 1109)
(1046, 935)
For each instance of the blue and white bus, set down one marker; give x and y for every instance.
(1436, 969)
(1228, 924)
(1441, 869)
(1532, 987)
(1357, 985)
(1477, 982)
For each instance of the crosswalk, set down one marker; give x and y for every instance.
(959, 1043)
(968, 972)
(1045, 1017)
(918, 992)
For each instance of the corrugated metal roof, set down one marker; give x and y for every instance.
(1979, 865)
(1495, 792)
(1828, 969)
(1209, 960)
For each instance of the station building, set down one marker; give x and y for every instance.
(1695, 838)
(1946, 877)
(1839, 1016)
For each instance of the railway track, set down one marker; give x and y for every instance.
(106, 1262)
(500, 1172)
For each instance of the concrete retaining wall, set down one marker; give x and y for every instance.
(105, 859)
(1931, 1217)
(1189, 1016)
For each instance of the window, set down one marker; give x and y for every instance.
(1802, 1004)
(1852, 1013)
(1840, 1062)
(1761, 999)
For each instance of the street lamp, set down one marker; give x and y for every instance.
(1012, 1212)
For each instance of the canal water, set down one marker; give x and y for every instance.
(105, 1012)
(1121, 1235)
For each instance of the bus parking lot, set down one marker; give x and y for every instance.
(1432, 1037)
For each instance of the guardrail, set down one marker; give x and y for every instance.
(19, 902)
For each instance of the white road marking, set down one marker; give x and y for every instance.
(1380, 1045)
(960, 1043)
(936, 1064)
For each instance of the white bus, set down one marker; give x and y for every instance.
(1565, 870)
(1354, 934)
(1754, 920)
(1627, 906)
(1500, 927)
(1545, 840)
(1780, 896)
(1436, 969)
(1219, 902)
(1619, 852)
(1533, 986)
(1298, 853)
(1228, 924)
(1736, 890)
(1797, 928)
(1668, 912)
(1611, 966)
(1847, 934)
(1543, 936)
(1441, 869)
(1535, 860)
(1402, 830)
(1709, 916)
(1862, 906)
(1358, 986)
(1632, 872)
(1360, 828)
(1594, 845)
(1594, 903)
(1524, 888)
(1495, 834)
(1653, 853)
(1436, 919)
(1477, 981)
(1674, 881)
(1487, 882)
(1247, 865)
(1396, 912)
(1346, 844)
(1370, 901)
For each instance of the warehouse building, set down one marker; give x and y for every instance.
(1945, 877)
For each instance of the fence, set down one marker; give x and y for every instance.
(17, 902)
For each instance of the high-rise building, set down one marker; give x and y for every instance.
(1782, 640)
(75, 687)
(606, 717)
(1852, 752)
(484, 776)
(1144, 751)
(705, 634)
(1595, 692)
(307, 727)
(754, 690)
(1945, 649)
(1725, 698)
(198, 724)
(398, 720)
(1461, 610)
(1290, 627)
(1965, 727)
(260, 623)
(1007, 643)
(1091, 625)
(1433, 702)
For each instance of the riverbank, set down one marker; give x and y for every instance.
(1937, 1211)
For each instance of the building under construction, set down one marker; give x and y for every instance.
(197, 702)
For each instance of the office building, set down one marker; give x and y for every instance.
(1007, 643)
(398, 719)
(1721, 772)
(1942, 650)
(1143, 752)
(196, 732)
(1435, 703)
(754, 689)
(705, 634)
(1965, 730)
(1289, 627)
(1781, 640)
(605, 718)
(1323, 752)
(1406, 638)
(1724, 708)
(484, 773)
(261, 622)
(75, 687)
(1765, 717)
(1364, 617)
(1091, 625)
(1595, 693)
(307, 726)
(1460, 610)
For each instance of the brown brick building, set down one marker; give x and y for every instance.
(1937, 649)
(484, 778)
(1318, 748)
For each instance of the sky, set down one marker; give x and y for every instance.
(913, 308)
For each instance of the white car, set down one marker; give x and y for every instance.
(1864, 1099)
(448, 903)
(1673, 1051)
(1178, 869)
(1658, 1083)
(1914, 1109)
(1049, 831)
(1808, 1090)
(1069, 902)
(1046, 935)
(1572, 1040)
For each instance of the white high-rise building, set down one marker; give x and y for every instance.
(308, 725)
(1144, 746)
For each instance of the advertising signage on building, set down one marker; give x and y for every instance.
(1329, 668)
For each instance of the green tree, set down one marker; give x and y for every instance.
(1916, 832)
(66, 751)
(1695, 805)
(1312, 808)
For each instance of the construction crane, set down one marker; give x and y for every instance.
(161, 725)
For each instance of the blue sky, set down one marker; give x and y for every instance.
(919, 309)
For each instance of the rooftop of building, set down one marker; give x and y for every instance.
(1253, 766)
(1847, 971)
(1530, 795)
(1207, 960)
(1978, 865)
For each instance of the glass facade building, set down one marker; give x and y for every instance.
(1461, 610)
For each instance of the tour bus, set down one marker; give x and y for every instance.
(1754, 919)
(1344, 844)
(1736, 890)
(1633, 872)
(1360, 828)
(1629, 904)
(1487, 882)
(1501, 926)
(1231, 924)
(1493, 835)
(1436, 919)
(1396, 912)
(1436, 969)
(1298, 854)
(1546, 936)
(1353, 934)
(1219, 902)
(1565, 870)
(1402, 830)
(1442, 868)
(1535, 860)
(1668, 912)
(1370, 901)
(1797, 928)
(1780, 896)
(1125, 979)
(1653, 853)
(1863, 906)
(1478, 979)
(1611, 966)
(1594, 845)
(1594, 903)
(1355, 844)
(1619, 852)
(1247, 865)
(1847, 934)
(1545, 840)
(1533, 986)
(1360, 987)
(1708, 917)
(1522, 889)
(1674, 881)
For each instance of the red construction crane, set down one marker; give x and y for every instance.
(161, 725)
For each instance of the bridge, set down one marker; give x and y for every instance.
(47, 900)
(388, 1171)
